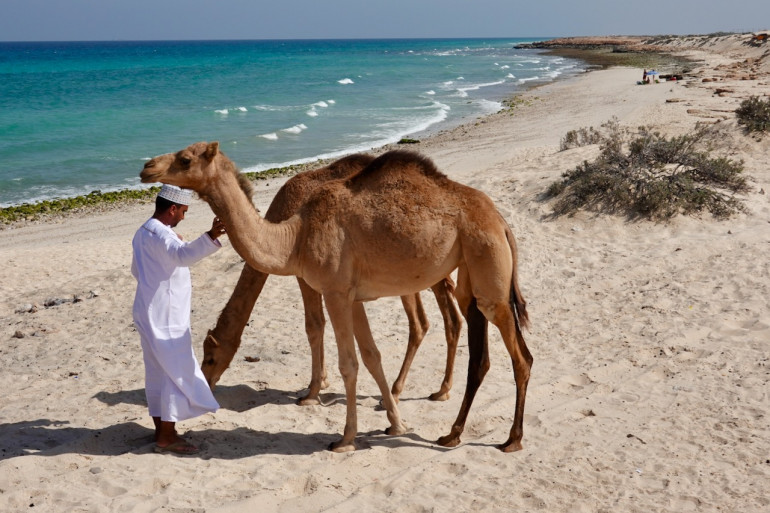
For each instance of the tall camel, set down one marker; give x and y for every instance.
(393, 229)
(221, 343)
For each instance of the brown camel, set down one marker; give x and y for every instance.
(221, 343)
(393, 229)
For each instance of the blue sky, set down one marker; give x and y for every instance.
(65, 20)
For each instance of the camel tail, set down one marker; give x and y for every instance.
(518, 304)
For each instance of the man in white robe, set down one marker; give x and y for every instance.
(175, 387)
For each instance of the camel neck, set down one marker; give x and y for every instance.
(265, 246)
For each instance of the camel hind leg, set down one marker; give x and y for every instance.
(522, 360)
(488, 302)
(418, 326)
(452, 326)
(478, 365)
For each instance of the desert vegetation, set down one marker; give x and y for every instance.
(643, 174)
(754, 114)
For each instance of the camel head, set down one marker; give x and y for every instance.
(216, 359)
(196, 167)
(190, 168)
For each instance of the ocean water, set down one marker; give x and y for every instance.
(79, 117)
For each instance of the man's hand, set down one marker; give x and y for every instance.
(217, 229)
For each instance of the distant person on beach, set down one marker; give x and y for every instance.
(175, 387)
(644, 76)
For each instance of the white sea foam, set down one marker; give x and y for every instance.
(463, 91)
(296, 129)
(530, 79)
(431, 92)
(490, 107)
(270, 137)
(510, 75)
(331, 102)
(223, 112)
(388, 134)
(321, 104)
(504, 67)
(312, 113)
(345, 81)
(243, 109)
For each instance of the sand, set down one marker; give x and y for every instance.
(649, 390)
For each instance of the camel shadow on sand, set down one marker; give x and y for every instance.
(50, 437)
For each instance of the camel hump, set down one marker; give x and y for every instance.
(351, 164)
(298, 189)
(399, 161)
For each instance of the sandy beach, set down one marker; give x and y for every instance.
(651, 341)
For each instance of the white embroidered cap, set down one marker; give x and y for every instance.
(175, 194)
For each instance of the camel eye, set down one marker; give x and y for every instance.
(185, 161)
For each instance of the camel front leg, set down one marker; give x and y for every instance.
(341, 316)
(452, 326)
(373, 362)
(418, 326)
(314, 328)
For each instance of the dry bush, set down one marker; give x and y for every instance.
(647, 175)
(754, 114)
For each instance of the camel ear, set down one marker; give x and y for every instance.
(212, 150)
(214, 341)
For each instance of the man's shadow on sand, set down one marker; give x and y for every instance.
(238, 398)
(47, 437)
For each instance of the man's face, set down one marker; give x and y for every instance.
(178, 212)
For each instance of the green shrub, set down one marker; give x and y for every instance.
(754, 114)
(647, 175)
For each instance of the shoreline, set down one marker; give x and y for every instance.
(55, 209)
(649, 339)
(590, 51)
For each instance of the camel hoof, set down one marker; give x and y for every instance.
(396, 430)
(439, 396)
(510, 446)
(381, 405)
(342, 446)
(449, 441)
(308, 401)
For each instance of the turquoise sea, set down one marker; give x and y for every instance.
(82, 116)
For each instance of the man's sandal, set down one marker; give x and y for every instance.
(180, 448)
